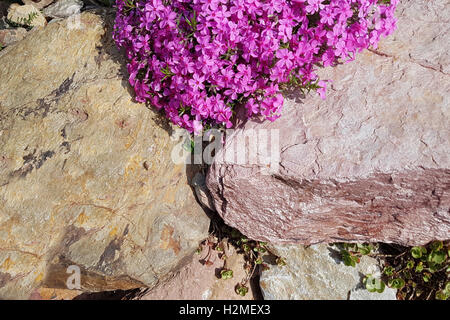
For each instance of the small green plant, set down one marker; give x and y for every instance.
(241, 289)
(389, 271)
(351, 253)
(226, 274)
(418, 252)
(396, 283)
(418, 273)
(255, 254)
(373, 284)
(24, 22)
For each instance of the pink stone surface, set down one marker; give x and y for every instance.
(369, 163)
(197, 281)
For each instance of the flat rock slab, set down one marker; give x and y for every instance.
(86, 176)
(370, 163)
(200, 281)
(316, 273)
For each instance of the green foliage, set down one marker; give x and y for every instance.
(255, 254)
(374, 284)
(418, 252)
(24, 22)
(300, 84)
(241, 289)
(396, 283)
(420, 272)
(443, 294)
(389, 271)
(351, 253)
(167, 73)
(226, 274)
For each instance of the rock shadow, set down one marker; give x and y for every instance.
(108, 48)
(335, 255)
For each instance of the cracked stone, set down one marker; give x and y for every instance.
(73, 187)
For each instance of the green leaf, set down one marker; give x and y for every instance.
(436, 245)
(259, 249)
(418, 252)
(441, 295)
(396, 283)
(226, 274)
(348, 259)
(374, 284)
(244, 239)
(241, 290)
(426, 277)
(419, 267)
(364, 249)
(447, 287)
(432, 267)
(437, 257)
(388, 270)
(410, 264)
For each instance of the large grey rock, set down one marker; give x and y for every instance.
(370, 163)
(86, 176)
(63, 9)
(316, 273)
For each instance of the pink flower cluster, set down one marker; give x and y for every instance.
(200, 60)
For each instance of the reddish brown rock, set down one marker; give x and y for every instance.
(370, 163)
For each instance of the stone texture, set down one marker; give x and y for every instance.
(86, 176)
(63, 8)
(316, 273)
(370, 163)
(11, 36)
(38, 4)
(54, 294)
(197, 281)
(421, 38)
(26, 15)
